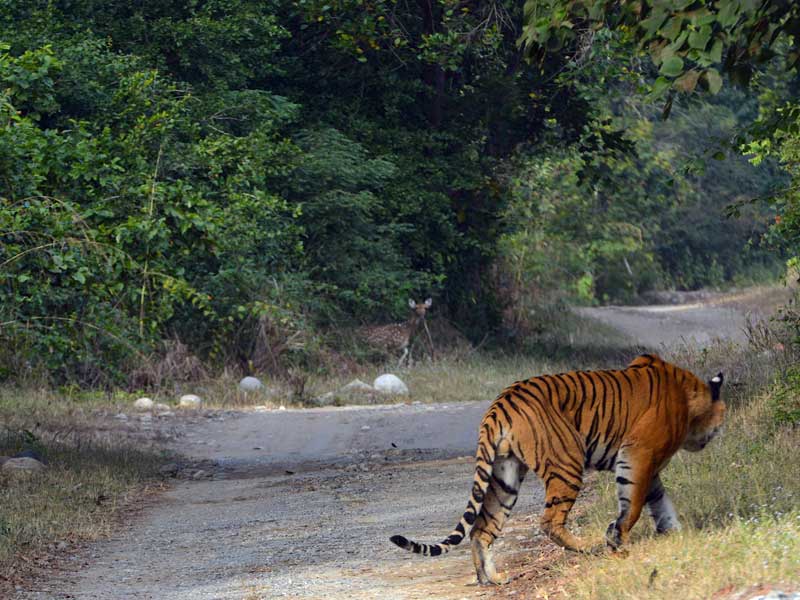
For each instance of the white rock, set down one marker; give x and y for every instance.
(358, 386)
(199, 474)
(143, 404)
(22, 465)
(390, 384)
(250, 384)
(190, 401)
(166, 413)
(161, 407)
(121, 417)
(261, 408)
(281, 407)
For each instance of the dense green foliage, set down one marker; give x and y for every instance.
(245, 177)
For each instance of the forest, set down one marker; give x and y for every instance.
(249, 178)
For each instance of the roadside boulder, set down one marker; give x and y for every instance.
(143, 404)
(358, 386)
(391, 385)
(358, 392)
(190, 401)
(250, 384)
(22, 466)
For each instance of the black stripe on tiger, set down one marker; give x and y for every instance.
(486, 453)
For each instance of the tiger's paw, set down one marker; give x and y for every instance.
(613, 536)
(493, 579)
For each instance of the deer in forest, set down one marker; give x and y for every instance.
(398, 336)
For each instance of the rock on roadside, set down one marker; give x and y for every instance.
(358, 386)
(250, 384)
(190, 401)
(22, 466)
(391, 384)
(143, 404)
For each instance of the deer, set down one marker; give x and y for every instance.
(398, 336)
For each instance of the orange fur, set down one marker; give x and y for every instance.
(630, 421)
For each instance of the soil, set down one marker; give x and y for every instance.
(301, 503)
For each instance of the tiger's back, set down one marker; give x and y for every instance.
(629, 421)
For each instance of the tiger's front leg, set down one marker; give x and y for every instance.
(634, 475)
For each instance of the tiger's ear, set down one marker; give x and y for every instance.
(716, 384)
(428, 302)
(411, 303)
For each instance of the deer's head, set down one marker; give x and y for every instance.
(420, 308)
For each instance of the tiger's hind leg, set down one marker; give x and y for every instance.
(501, 496)
(561, 491)
(634, 476)
(660, 507)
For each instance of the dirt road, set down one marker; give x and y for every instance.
(302, 506)
(302, 503)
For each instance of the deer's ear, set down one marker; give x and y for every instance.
(428, 303)
(411, 303)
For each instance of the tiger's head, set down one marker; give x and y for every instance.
(707, 412)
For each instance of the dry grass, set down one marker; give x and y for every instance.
(694, 564)
(76, 498)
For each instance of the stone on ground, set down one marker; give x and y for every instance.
(143, 404)
(190, 401)
(358, 386)
(390, 384)
(21, 466)
(250, 384)
(357, 391)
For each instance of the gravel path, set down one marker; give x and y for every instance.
(302, 502)
(301, 506)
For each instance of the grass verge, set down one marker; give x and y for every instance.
(76, 498)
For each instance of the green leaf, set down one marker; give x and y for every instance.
(714, 80)
(660, 86)
(728, 13)
(672, 67)
(699, 39)
(673, 28)
(715, 54)
(653, 22)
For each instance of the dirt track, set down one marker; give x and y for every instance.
(303, 502)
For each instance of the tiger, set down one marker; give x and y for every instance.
(629, 421)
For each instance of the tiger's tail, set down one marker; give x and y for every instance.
(487, 450)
